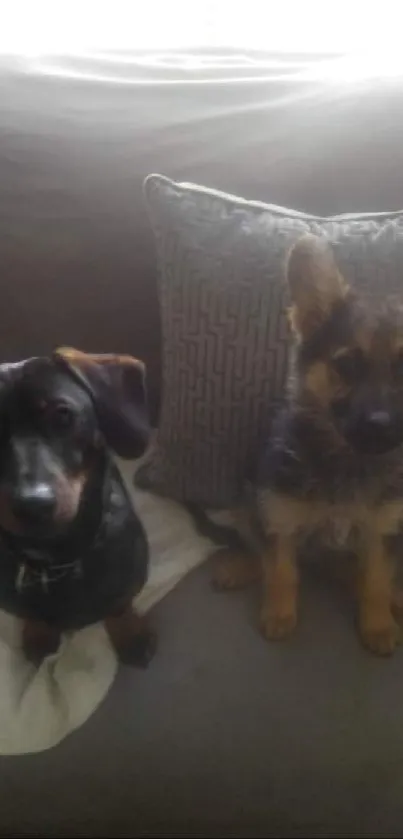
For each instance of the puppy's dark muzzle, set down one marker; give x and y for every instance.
(376, 433)
(34, 506)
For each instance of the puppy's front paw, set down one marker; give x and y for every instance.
(233, 571)
(381, 638)
(139, 650)
(277, 625)
(397, 604)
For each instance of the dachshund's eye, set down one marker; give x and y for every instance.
(61, 416)
(350, 365)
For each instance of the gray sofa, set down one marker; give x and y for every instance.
(224, 735)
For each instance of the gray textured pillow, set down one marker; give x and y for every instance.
(225, 337)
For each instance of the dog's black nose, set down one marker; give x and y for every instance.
(34, 504)
(376, 432)
(378, 421)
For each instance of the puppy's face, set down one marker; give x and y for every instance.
(349, 356)
(48, 438)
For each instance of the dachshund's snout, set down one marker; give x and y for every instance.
(34, 504)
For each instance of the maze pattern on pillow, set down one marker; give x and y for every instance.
(224, 330)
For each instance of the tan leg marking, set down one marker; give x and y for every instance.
(280, 589)
(379, 630)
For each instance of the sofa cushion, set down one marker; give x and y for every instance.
(225, 336)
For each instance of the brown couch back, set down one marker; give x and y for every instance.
(77, 138)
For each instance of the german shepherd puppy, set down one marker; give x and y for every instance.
(334, 462)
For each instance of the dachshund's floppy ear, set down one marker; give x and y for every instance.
(116, 384)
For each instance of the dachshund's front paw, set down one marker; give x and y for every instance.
(139, 650)
(39, 641)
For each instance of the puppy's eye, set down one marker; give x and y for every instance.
(61, 416)
(350, 365)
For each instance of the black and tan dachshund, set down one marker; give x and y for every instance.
(72, 550)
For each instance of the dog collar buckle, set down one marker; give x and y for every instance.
(19, 581)
(22, 579)
(27, 577)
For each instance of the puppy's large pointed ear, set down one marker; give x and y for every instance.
(315, 284)
(116, 384)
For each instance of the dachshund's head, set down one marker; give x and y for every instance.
(56, 415)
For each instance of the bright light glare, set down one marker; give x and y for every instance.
(38, 27)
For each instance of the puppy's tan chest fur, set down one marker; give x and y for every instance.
(336, 523)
